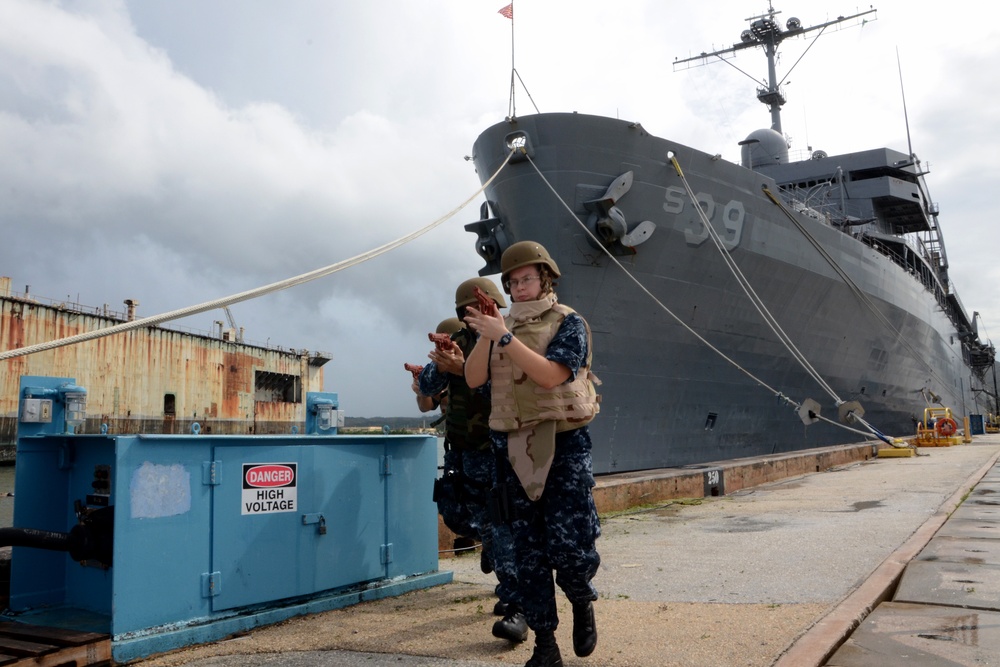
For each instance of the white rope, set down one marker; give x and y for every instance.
(769, 319)
(642, 287)
(779, 395)
(858, 292)
(250, 294)
(748, 289)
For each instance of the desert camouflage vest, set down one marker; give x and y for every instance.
(466, 418)
(517, 400)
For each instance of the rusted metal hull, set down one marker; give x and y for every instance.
(155, 380)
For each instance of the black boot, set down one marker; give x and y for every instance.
(546, 652)
(512, 626)
(584, 629)
(486, 557)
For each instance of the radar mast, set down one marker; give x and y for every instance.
(765, 32)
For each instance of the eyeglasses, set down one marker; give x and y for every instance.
(511, 284)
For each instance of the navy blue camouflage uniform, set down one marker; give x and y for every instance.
(465, 509)
(558, 532)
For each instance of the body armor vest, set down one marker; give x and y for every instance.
(517, 400)
(467, 414)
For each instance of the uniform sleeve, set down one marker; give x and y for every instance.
(569, 346)
(432, 381)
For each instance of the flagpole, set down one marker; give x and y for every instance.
(508, 12)
(512, 107)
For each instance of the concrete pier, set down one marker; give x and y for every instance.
(801, 571)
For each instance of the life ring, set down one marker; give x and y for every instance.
(946, 427)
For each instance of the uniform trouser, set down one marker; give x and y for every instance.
(466, 511)
(463, 503)
(557, 533)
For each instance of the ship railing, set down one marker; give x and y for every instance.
(921, 248)
(923, 266)
(802, 200)
(960, 305)
(801, 203)
(67, 305)
(810, 201)
(214, 334)
(921, 270)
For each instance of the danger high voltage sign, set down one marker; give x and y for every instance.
(269, 487)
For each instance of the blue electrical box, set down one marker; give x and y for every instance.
(212, 535)
(977, 425)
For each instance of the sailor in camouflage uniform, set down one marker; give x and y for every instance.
(537, 361)
(464, 490)
(450, 326)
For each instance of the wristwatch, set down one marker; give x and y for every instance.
(504, 339)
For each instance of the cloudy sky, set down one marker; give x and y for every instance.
(178, 151)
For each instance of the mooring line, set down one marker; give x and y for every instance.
(249, 294)
(778, 394)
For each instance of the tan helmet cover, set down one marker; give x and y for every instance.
(524, 253)
(466, 296)
(450, 326)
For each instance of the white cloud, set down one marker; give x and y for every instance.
(180, 151)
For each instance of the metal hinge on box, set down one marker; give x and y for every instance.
(210, 475)
(211, 584)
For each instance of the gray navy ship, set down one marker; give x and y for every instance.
(738, 309)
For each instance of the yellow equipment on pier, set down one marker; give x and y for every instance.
(938, 429)
(992, 424)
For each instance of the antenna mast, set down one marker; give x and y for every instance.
(765, 32)
(906, 116)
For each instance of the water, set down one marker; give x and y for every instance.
(6, 502)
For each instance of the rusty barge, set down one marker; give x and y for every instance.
(154, 379)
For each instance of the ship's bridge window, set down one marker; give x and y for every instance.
(803, 185)
(882, 172)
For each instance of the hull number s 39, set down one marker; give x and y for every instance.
(727, 219)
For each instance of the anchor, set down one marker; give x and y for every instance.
(608, 221)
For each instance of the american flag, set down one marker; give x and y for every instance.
(508, 11)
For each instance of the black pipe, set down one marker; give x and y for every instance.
(89, 540)
(30, 537)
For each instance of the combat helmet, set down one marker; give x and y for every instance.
(450, 326)
(466, 296)
(524, 253)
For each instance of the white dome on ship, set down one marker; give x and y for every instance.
(764, 146)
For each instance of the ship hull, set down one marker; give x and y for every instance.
(668, 398)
